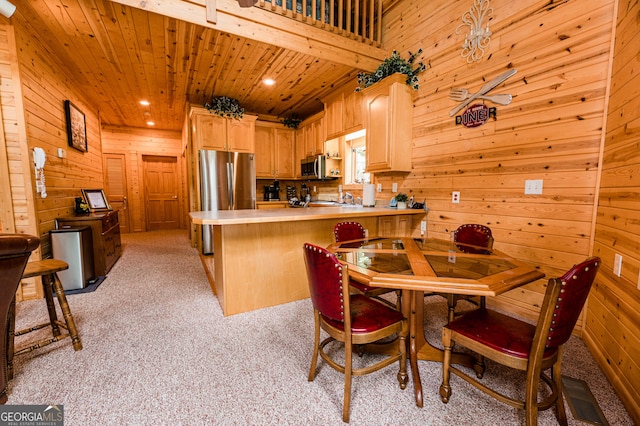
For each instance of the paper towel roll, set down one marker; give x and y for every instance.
(369, 195)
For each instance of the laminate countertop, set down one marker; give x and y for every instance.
(235, 217)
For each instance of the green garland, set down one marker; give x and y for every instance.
(392, 65)
(225, 107)
(292, 122)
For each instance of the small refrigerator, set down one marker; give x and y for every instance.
(74, 246)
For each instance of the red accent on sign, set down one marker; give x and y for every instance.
(476, 115)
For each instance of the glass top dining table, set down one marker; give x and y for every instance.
(419, 265)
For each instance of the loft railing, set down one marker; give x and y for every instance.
(357, 19)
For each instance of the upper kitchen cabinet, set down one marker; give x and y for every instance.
(343, 112)
(310, 137)
(388, 118)
(275, 151)
(211, 131)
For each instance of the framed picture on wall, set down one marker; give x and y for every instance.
(96, 199)
(76, 127)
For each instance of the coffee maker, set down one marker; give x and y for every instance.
(272, 192)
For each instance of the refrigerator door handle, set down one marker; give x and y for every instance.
(230, 177)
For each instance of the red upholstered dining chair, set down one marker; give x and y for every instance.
(523, 346)
(352, 319)
(476, 235)
(15, 250)
(345, 231)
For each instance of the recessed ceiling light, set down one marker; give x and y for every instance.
(145, 103)
(150, 123)
(269, 81)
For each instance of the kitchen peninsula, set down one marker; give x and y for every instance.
(257, 260)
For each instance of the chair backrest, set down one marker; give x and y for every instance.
(326, 275)
(15, 250)
(474, 234)
(566, 303)
(345, 231)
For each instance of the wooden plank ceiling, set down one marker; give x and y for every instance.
(118, 55)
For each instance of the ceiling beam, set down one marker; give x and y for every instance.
(268, 27)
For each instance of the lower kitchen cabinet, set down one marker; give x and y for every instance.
(391, 226)
(105, 231)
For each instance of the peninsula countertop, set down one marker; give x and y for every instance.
(235, 217)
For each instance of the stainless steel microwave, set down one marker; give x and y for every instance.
(315, 167)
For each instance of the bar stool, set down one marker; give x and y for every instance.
(47, 269)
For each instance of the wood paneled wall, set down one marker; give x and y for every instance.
(34, 89)
(553, 130)
(612, 328)
(134, 143)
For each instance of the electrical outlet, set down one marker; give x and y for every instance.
(617, 264)
(452, 256)
(423, 227)
(455, 197)
(394, 187)
(314, 188)
(379, 187)
(62, 153)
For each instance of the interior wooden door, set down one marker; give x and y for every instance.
(162, 189)
(115, 181)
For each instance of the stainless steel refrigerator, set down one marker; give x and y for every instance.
(227, 182)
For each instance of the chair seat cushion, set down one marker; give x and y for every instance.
(497, 331)
(368, 315)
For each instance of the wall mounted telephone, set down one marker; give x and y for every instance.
(39, 158)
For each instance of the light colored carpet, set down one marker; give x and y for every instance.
(158, 351)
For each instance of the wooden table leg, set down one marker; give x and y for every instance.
(420, 348)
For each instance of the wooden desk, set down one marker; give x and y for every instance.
(429, 265)
(105, 232)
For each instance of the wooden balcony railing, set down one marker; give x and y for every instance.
(357, 19)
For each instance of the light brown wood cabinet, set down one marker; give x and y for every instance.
(388, 118)
(310, 137)
(392, 226)
(275, 151)
(105, 231)
(210, 131)
(333, 114)
(343, 111)
(352, 118)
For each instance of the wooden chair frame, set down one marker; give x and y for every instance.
(541, 358)
(350, 338)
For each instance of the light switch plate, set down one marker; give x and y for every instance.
(533, 186)
(423, 227)
(394, 187)
(617, 264)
